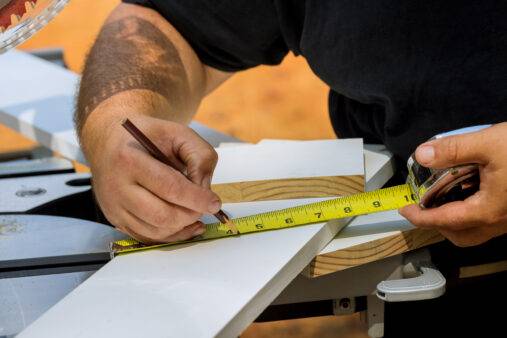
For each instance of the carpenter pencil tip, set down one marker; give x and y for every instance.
(224, 219)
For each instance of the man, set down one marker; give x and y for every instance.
(399, 72)
(398, 75)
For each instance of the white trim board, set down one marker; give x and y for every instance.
(214, 289)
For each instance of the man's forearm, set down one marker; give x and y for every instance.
(135, 58)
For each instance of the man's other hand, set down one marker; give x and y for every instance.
(147, 199)
(483, 215)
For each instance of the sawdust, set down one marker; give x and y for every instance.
(9, 226)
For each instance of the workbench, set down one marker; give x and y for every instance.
(214, 289)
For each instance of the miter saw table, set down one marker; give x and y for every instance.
(53, 237)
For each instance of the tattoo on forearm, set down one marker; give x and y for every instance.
(130, 53)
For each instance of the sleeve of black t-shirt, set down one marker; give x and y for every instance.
(229, 35)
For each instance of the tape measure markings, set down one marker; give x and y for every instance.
(318, 212)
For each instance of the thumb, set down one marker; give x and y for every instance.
(453, 150)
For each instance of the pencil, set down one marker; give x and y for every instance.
(154, 151)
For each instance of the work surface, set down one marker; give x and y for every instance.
(131, 294)
(225, 284)
(42, 110)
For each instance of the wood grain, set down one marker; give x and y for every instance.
(280, 189)
(371, 251)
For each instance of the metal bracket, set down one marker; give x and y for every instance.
(428, 282)
(43, 166)
(344, 306)
(373, 317)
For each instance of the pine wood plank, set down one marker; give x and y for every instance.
(289, 170)
(307, 187)
(372, 251)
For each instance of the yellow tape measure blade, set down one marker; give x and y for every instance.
(348, 206)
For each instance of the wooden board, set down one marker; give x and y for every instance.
(324, 186)
(361, 243)
(370, 251)
(288, 170)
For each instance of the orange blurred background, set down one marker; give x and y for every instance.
(267, 102)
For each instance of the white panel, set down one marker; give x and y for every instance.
(290, 160)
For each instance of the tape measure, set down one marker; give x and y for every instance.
(428, 187)
(347, 206)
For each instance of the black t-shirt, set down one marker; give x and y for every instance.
(399, 71)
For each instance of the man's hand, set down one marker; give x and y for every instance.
(147, 199)
(483, 215)
(141, 68)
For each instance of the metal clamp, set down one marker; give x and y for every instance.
(428, 282)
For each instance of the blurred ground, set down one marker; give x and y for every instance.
(267, 102)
